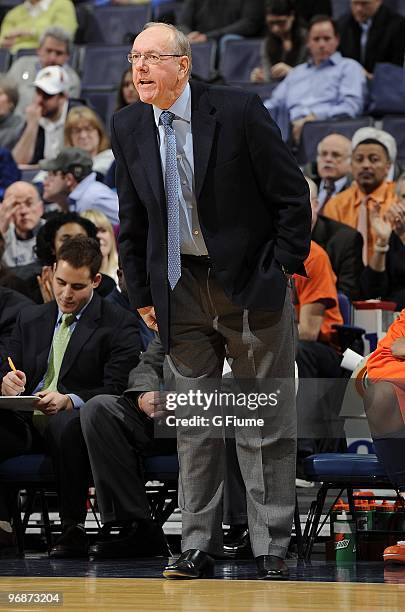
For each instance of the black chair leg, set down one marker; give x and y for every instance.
(320, 502)
(47, 522)
(298, 530)
(18, 524)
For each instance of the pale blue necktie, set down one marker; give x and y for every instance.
(172, 199)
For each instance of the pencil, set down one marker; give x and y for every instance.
(11, 364)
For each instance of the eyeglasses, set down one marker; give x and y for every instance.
(149, 57)
(89, 129)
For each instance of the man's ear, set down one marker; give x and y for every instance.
(97, 280)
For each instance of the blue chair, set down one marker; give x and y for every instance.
(343, 471)
(395, 125)
(264, 90)
(315, 131)
(34, 473)
(120, 24)
(103, 102)
(203, 59)
(340, 8)
(5, 58)
(102, 66)
(238, 59)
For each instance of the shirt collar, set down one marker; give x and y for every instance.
(334, 59)
(77, 314)
(378, 195)
(338, 184)
(181, 107)
(82, 186)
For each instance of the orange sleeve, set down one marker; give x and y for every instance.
(382, 365)
(321, 282)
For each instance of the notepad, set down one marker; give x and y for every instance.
(19, 403)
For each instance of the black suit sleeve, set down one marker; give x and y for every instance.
(283, 185)
(133, 234)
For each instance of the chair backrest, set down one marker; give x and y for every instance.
(315, 131)
(387, 92)
(103, 102)
(103, 66)
(203, 59)
(238, 59)
(345, 308)
(5, 58)
(120, 24)
(264, 90)
(395, 126)
(398, 6)
(340, 7)
(163, 9)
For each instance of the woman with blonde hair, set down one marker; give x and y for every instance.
(84, 129)
(108, 246)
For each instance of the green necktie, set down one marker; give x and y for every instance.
(59, 344)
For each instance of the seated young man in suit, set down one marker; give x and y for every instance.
(66, 352)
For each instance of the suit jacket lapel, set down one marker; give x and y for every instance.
(149, 152)
(203, 126)
(85, 327)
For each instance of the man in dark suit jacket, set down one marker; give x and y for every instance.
(102, 347)
(239, 214)
(381, 31)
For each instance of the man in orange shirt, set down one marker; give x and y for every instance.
(318, 359)
(370, 166)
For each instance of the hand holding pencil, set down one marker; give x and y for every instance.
(13, 382)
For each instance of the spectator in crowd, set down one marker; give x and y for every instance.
(20, 221)
(333, 166)
(285, 44)
(372, 33)
(318, 357)
(54, 50)
(108, 245)
(84, 129)
(51, 237)
(344, 246)
(326, 86)
(127, 93)
(9, 171)
(371, 162)
(73, 186)
(384, 277)
(11, 124)
(45, 117)
(23, 25)
(202, 20)
(66, 352)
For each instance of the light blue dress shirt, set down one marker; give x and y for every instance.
(335, 87)
(76, 400)
(337, 187)
(191, 238)
(90, 193)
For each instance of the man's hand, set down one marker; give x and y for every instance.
(153, 404)
(7, 210)
(396, 216)
(13, 383)
(52, 402)
(380, 224)
(33, 112)
(398, 348)
(257, 75)
(280, 70)
(45, 284)
(298, 125)
(148, 315)
(197, 37)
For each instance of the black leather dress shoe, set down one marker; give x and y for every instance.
(270, 567)
(237, 543)
(192, 563)
(140, 539)
(72, 544)
(8, 544)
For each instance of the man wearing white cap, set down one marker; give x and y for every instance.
(374, 152)
(42, 137)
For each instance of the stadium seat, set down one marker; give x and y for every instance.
(103, 102)
(264, 90)
(203, 59)
(395, 125)
(314, 131)
(339, 8)
(343, 471)
(5, 58)
(238, 59)
(120, 24)
(103, 66)
(387, 91)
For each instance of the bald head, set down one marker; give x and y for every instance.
(27, 206)
(333, 159)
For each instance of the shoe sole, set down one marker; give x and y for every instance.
(281, 577)
(178, 575)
